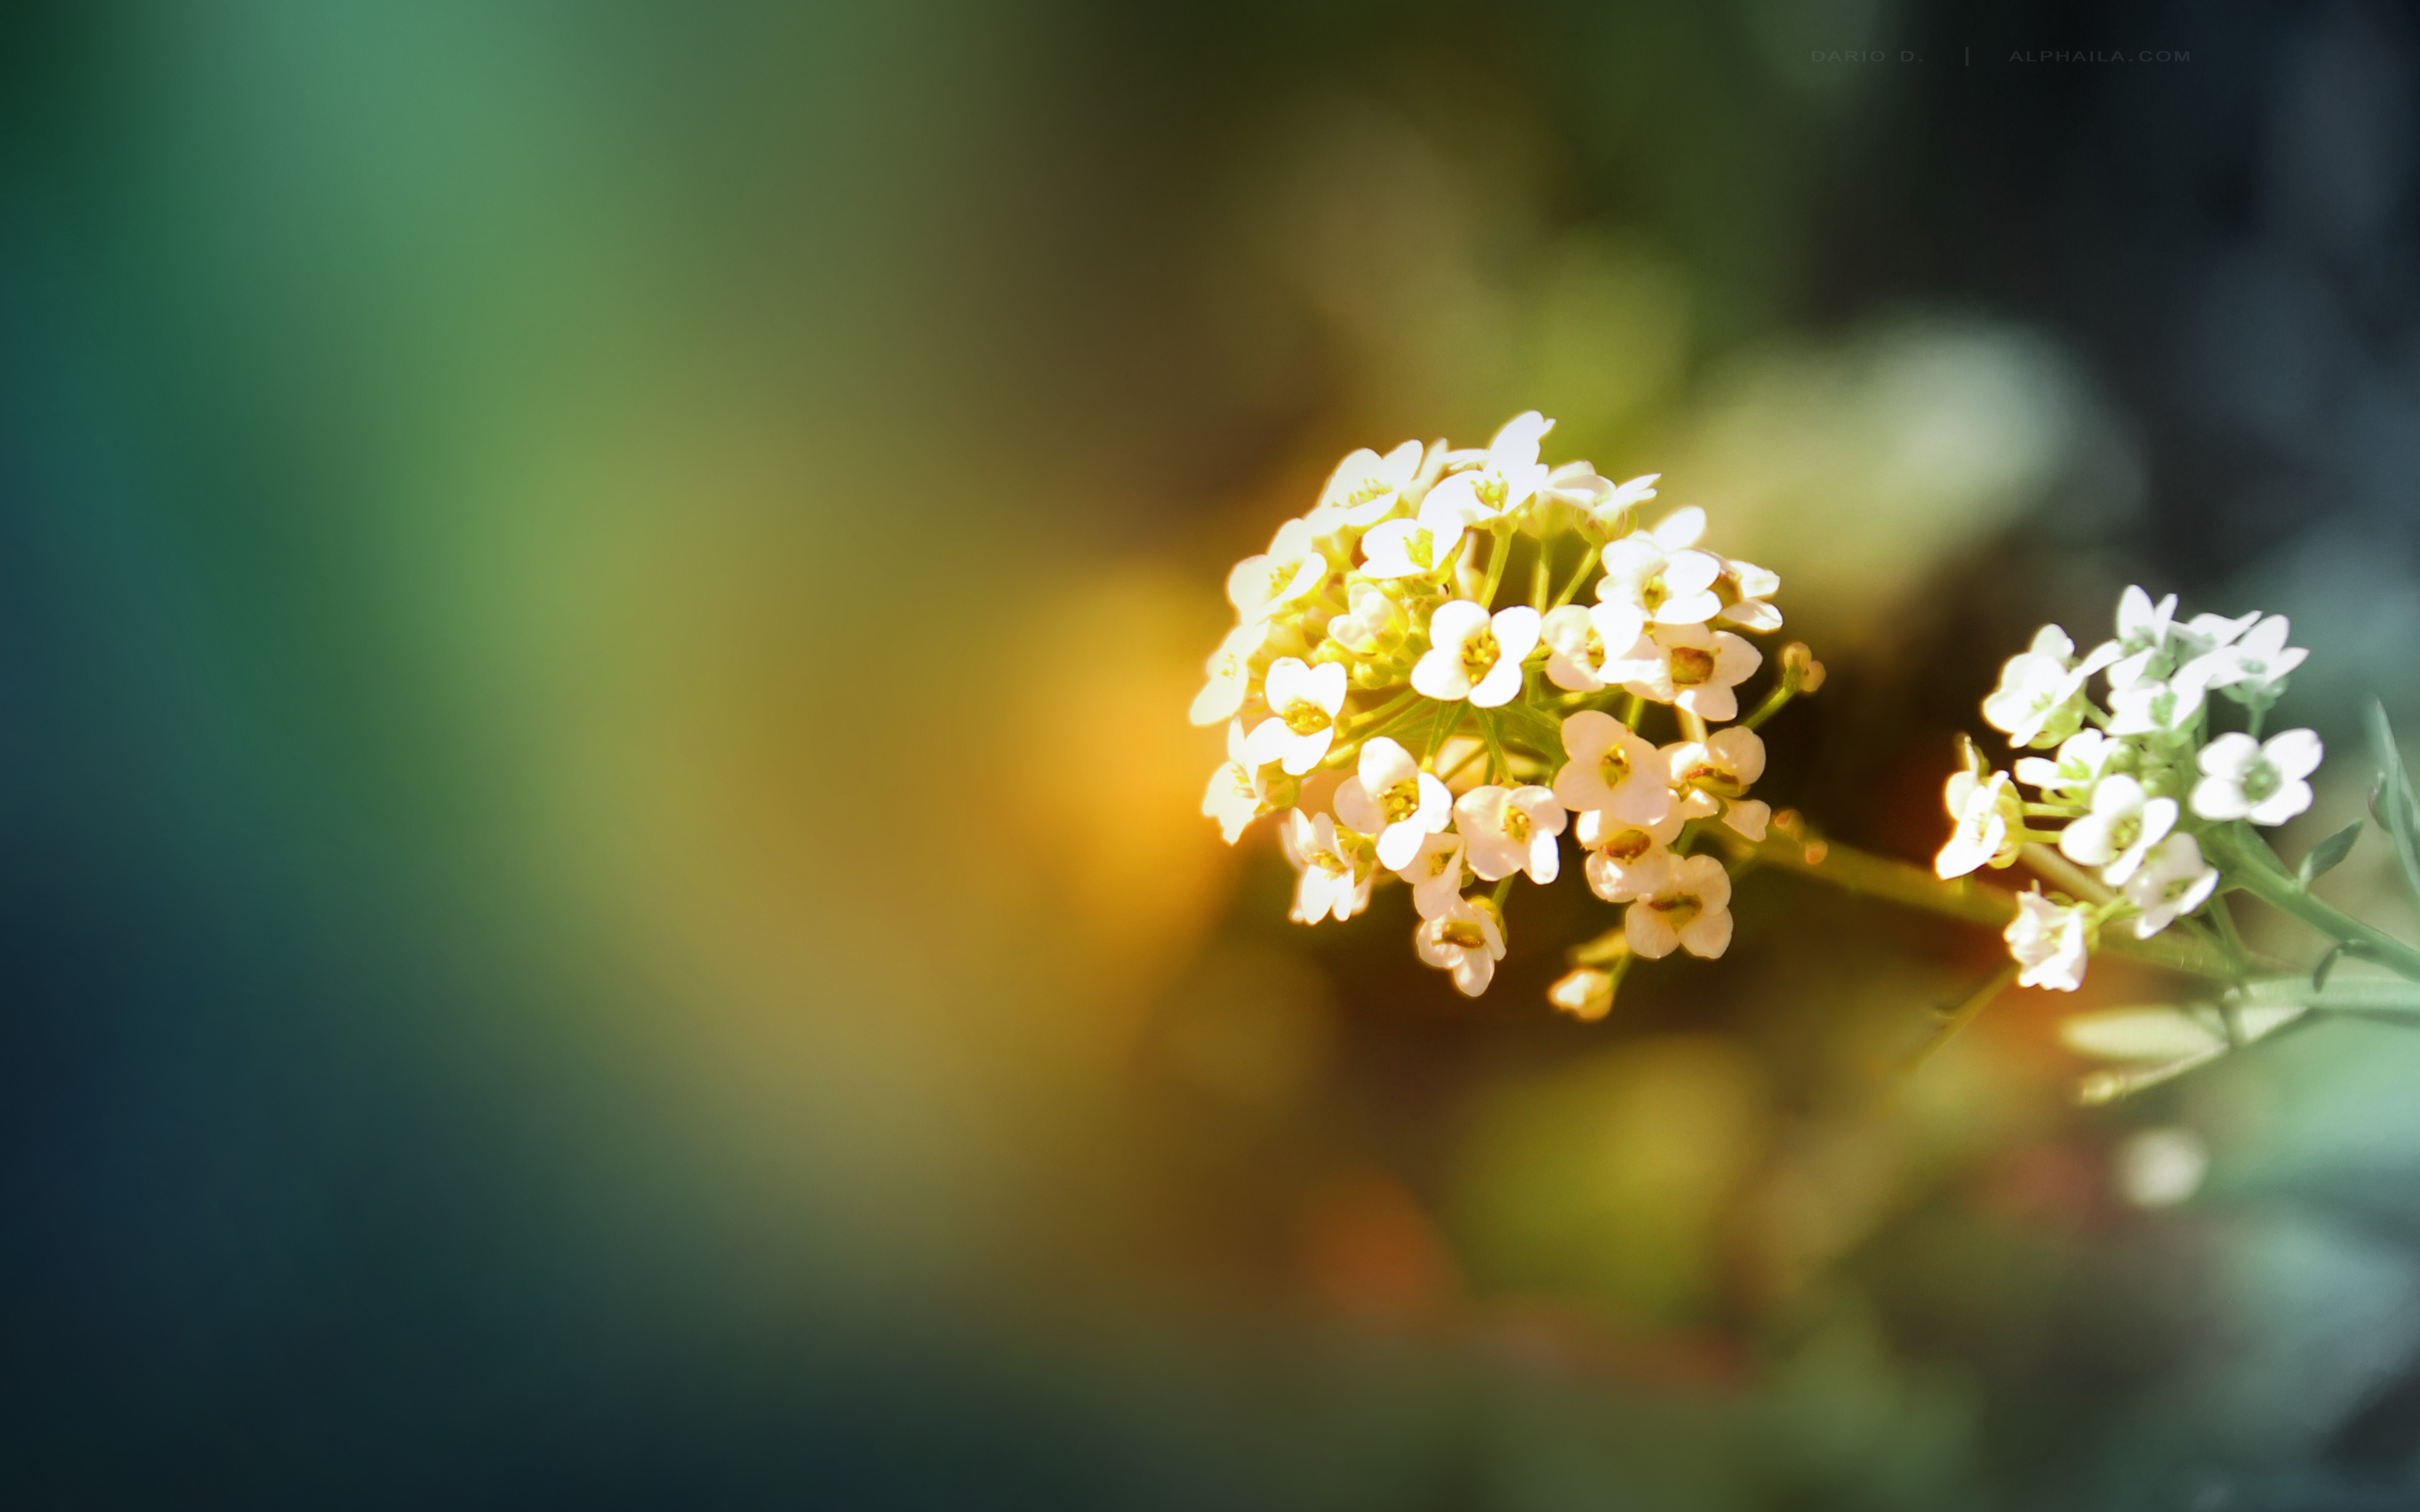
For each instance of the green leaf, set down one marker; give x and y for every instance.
(2395, 787)
(2324, 858)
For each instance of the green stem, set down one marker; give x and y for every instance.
(1912, 886)
(1449, 718)
(1496, 556)
(1955, 1019)
(2259, 874)
(1578, 579)
(1498, 769)
(1538, 578)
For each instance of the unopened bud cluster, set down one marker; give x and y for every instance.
(1417, 689)
(2138, 785)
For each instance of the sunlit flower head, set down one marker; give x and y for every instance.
(1713, 776)
(1990, 818)
(1435, 873)
(1419, 547)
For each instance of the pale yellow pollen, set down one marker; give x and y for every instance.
(1462, 933)
(1516, 824)
(1614, 765)
(1401, 801)
(1480, 653)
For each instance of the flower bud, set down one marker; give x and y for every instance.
(1585, 993)
(1800, 670)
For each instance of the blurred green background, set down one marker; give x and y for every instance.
(601, 891)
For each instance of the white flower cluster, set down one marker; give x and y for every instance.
(2134, 788)
(1403, 724)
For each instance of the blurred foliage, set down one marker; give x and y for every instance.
(602, 883)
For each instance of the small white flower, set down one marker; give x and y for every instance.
(1230, 673)
(1365, 489)
(1571, 493)
(1988, 817)
(2143, 629)
(2253, 665)
(1435, 872)
(1612, 767)
(1746, 591)
(1390, 798)
(1237, 796)
(2083, 759)
(1690, 666)
(1582, 639)
(1336, 868)
(1620, 853)
(2243, 779)
(2040, 700)
(2215, 630)
(1416, 548)
(1474, 656)
(1718, 773)
(1291, 568)
(1303, 702)
(2175, 880)
(1511, 829)
(2053, 944)
(1627, 495)
(1682, 901)
(2117, 835)
(1466, 941)
(1664, 587)
(1504, 477)
(1679, 529)
(2159, 707)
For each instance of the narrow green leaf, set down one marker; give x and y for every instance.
(2324, 858)
(2396, 793)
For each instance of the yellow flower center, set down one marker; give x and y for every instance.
(1401, 801)
(1680, 909)
(1708, 778)
(1516, 824)
(1491, 491)
(1307, 718)
(1614, 765)
(1691, 666)
(1461, 932)
(1480, 653)
(1628, 844)
(1370, 488)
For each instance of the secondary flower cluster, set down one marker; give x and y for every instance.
(1401, 723)
(2138, 789)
